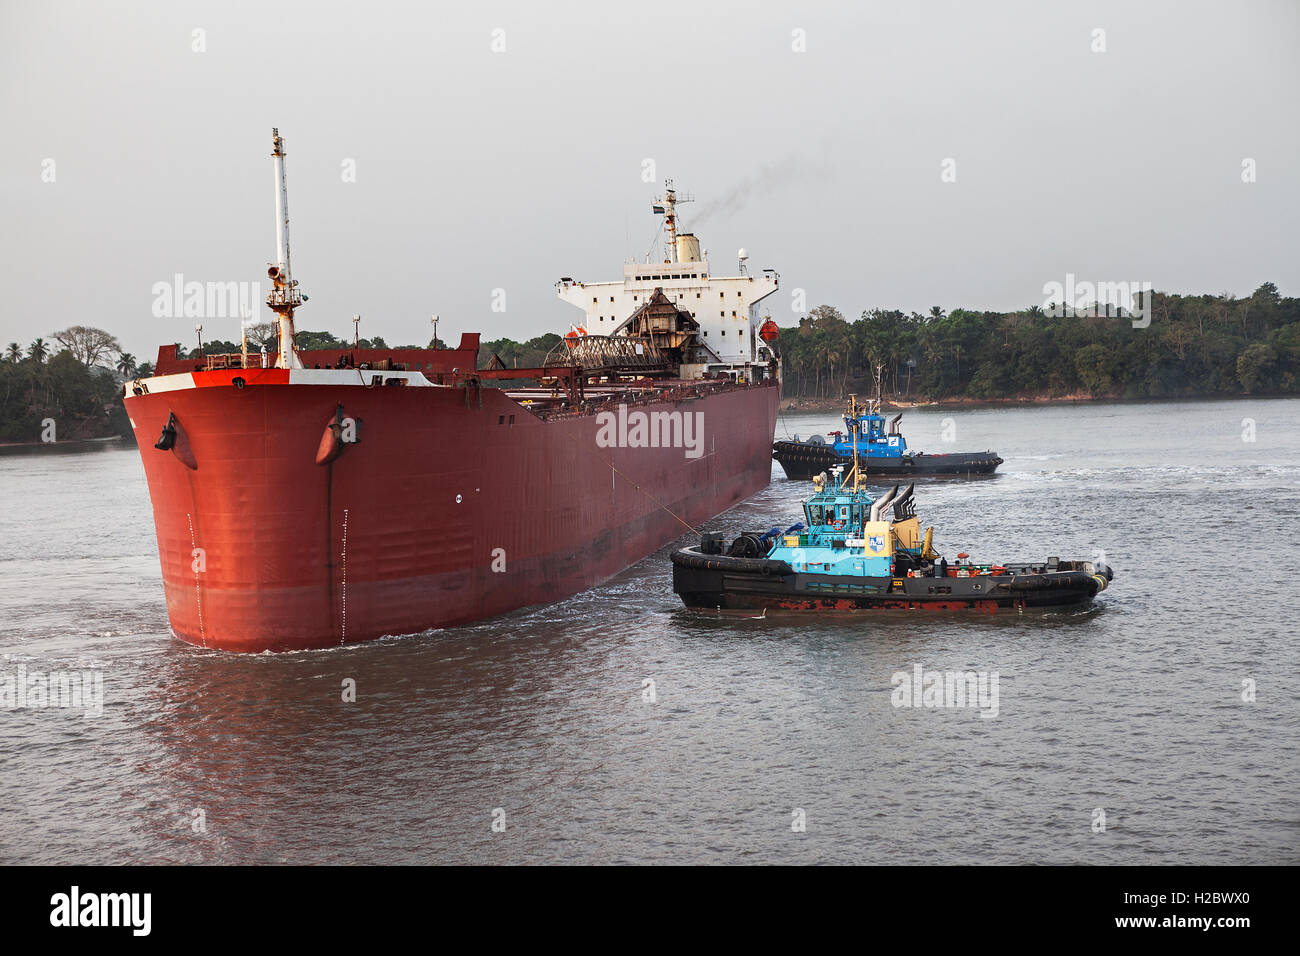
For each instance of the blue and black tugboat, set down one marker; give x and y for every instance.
(848, 555)
(881, 448)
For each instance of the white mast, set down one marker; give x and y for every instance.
(284, 297)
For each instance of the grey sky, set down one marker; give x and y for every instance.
(478, 170)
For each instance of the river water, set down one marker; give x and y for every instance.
(532, 739)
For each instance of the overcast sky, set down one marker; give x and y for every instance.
(478, 170)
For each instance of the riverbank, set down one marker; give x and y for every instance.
(837, 404)
(58, 447)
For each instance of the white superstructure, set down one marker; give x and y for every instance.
(726, 307)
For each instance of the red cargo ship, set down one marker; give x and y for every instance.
(313, 499)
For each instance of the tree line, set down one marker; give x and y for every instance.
(1195, 345)
(65, 388)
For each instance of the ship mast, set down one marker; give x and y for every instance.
(284, 297)
(668, 206)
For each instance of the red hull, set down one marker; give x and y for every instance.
(264, 549)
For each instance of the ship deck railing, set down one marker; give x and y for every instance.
(233, 360)
(606, 397)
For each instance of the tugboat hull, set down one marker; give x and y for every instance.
(801, 460)
(727, 583)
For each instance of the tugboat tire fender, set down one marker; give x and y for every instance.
(699, 562)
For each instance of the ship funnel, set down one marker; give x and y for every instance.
(688, 248)
(882, 503)
(905, 496)
(903, 506)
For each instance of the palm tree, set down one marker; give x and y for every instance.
(14, 353)
(126, 364)
(39, 373)
(936, 313)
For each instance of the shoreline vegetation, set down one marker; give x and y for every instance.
(67, 388)
(1188, 347)
(835, 405)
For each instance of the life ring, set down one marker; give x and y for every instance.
(837, 525)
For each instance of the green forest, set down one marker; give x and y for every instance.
(65, 388)
(1195, 346)
(1202, 345)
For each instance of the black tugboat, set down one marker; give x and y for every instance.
(847, 556)
(881, 448)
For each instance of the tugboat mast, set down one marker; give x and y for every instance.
(285, 296)
(854, 432)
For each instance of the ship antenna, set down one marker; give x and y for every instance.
(284, 296)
